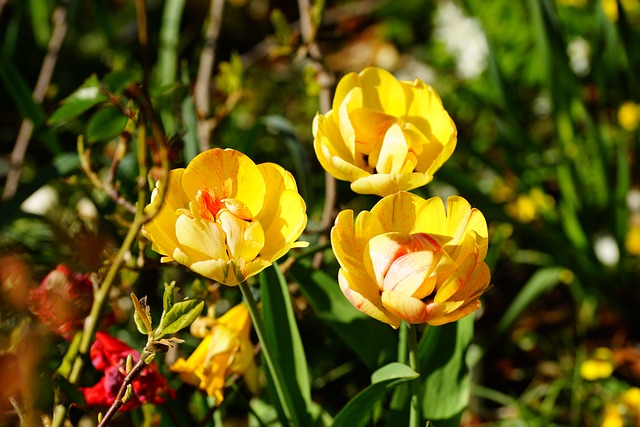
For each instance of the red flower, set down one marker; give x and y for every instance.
(109, 355)
(62, 301)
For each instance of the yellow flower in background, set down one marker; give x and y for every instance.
(599, 366)
(527, 207)
(383, 135)
(409, 259)
(632, 240)
(628, 116)
(227, 218)
(225, 350)
(612, 416)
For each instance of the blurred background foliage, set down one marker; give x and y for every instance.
(545, 97)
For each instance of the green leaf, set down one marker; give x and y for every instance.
(85, 97)
(169, 296)
(141, 314)
(356, 329)
(105, 124)
(181, 315)
(443, 362)
(117, 81)
(356, 412)
(285, 344)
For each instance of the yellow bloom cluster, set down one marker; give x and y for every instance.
(407, 259)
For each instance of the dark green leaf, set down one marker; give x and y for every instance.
(181, 315)
(105, 124)
(353, 327)
(117, 81)
(357, 411)
(443, 363)
(285, 345)
(85, 97)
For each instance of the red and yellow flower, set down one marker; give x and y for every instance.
(227, 218)
(409, 259)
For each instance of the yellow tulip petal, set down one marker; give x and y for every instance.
(161, 229)
(410, 273)
(382, 91)
(457, 280)
(361, 283)
(401, 212)
(231, 173)
(425, 109)
(393, 152)
(382, 250)
(214, 269)
(201, 241)
(385, 184)
(370, 127)
(254, 267)
(349, 239)
(345, 85)
(236, 318)
(367, 306)
(244, 239)
(463, 219)
(455, 315)
(286, 227)
(407, 307)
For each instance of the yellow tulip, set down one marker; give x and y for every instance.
(227, 218)
(409, 259)
(383, 135)
(225, 350)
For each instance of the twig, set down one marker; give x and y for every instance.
(118, 402)
(325, 80)
(203, 79)
(3, 3)
(44, 78)
(107, 187)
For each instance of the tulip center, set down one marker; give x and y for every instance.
(211, 202)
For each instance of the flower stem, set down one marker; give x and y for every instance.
(414, 363)
(256, 318)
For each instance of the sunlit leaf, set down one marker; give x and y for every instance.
(86, 96)
(181, 315)
(105, 124)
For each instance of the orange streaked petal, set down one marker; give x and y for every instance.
(366, 306)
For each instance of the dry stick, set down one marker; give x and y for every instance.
(313, 51)
(3, 3)
(44, 78)
(203, 79)
(117, 403)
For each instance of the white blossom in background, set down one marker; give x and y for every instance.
(40, 202)
(579, 52)
(463, 38)
(606, 250)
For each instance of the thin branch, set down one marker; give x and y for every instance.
(44, 78)
(203, 79)
(325, 80)
(118, 402)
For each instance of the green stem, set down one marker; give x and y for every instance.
(414, 363)
(256, 318)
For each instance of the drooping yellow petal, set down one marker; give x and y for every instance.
(367, 306)
(200, 241)
(386, 184)
(161, 230)
(244, 239)
(287, 225)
